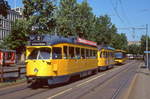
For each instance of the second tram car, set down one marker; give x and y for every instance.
(106, 57)
(54, 59)
(120, 56)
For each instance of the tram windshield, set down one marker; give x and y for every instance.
(119, 55)
(40, 53)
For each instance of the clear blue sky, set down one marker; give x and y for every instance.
(123, 13)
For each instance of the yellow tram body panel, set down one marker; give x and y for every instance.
(59, 67)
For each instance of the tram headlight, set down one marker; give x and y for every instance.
(35, 70)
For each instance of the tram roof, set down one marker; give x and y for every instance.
(41, 40)
(106, 47)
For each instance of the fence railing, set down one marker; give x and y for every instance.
(11, 73)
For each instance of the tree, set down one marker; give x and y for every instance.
(66, 17)
(85, 20)
(134, 49)
(120, 41)
(4, 7)
(39, 13)
(18, 37)
(143, 43)
(104, 30)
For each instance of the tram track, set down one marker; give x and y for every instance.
(99, 84)
(108, 80)
(39, 91)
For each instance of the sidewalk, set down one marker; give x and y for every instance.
(141, 85)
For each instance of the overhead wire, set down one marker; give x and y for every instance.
(125, 15)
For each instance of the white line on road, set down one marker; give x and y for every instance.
(90, 80)
(60, 93)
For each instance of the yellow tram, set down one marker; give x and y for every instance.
(120, 56)
(106, 57)
(54, 59)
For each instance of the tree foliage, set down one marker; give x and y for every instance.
(39, 13)
(18, 37)
(66, 17)
(69, 19)
(120, 41)
(143, 43)
(134, 49)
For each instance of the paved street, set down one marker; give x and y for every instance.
(140, 88)
(111, 84)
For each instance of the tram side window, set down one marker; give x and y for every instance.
(87, 53)
(105, 55)
(78, 56)
(57, 53)
(83, 53)
(94, 54)
(101, 55)
(71, 53)
(65, 52)
(91, 53)
(109, 54)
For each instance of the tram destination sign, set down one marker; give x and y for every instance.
(38, 43)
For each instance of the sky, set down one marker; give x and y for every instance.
(125, 14)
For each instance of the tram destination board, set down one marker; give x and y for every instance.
(38, 43)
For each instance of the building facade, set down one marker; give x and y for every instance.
(5, 23)
(134, 42)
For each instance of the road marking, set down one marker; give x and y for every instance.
(59, 93)
(90, 80)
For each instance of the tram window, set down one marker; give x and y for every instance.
(87, 53)
(91, 53)
(71, 52)
(105, 54)
(65, 52)
(108, 54)
(112, 54)
(57, 53)
(94, 54)
(101, 54)
(83, 53)
(78, 56)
